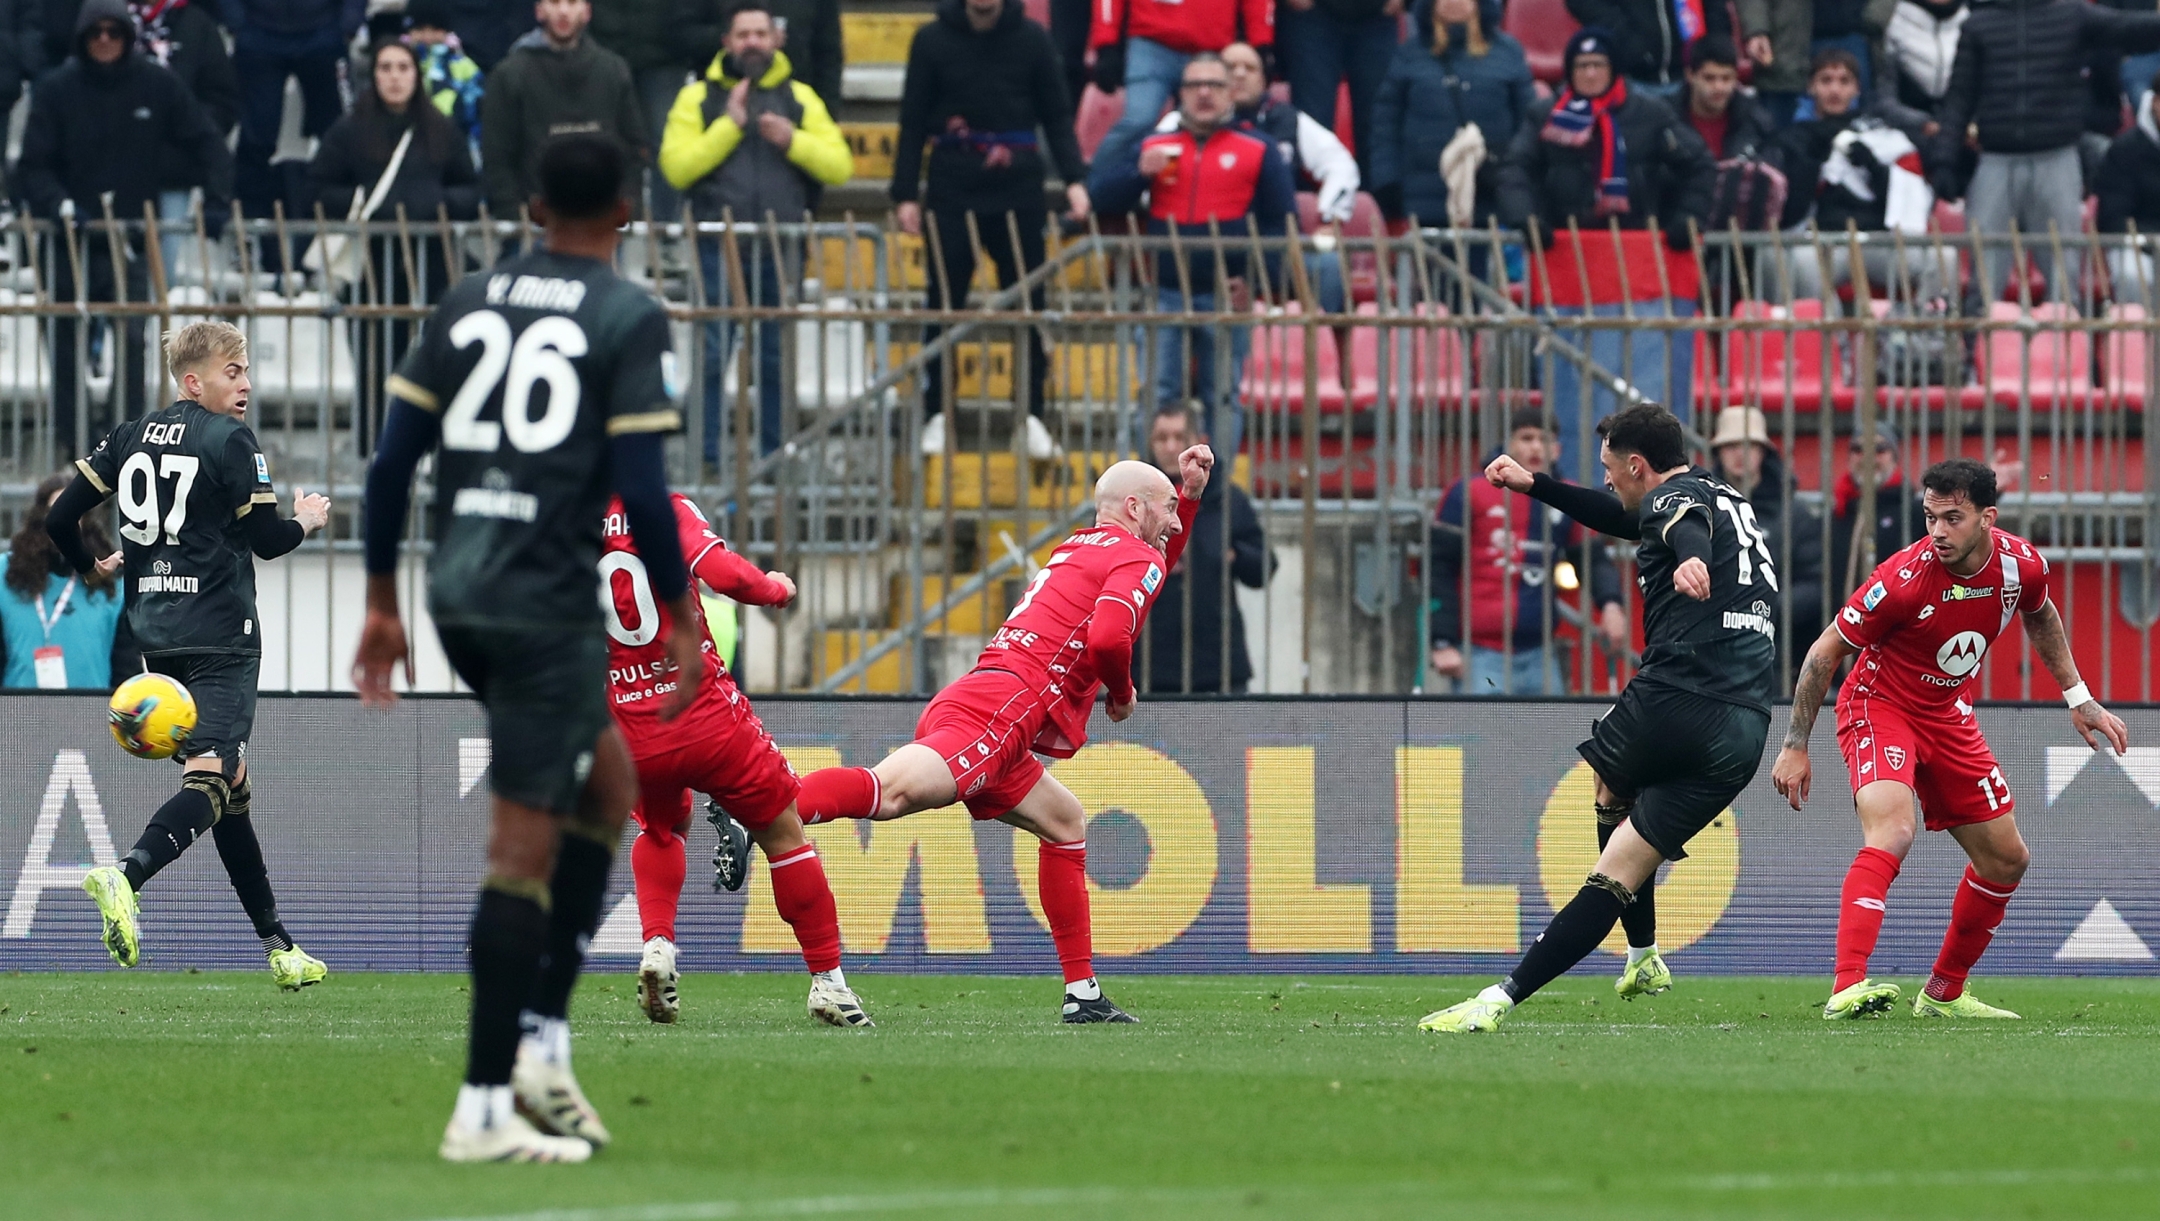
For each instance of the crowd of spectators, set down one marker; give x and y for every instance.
(1803, 116)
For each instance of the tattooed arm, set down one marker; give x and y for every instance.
(2044, 628)
(1792, 772)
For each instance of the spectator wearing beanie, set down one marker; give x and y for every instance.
(1601, 154)
(2029, 170)
(1649, 38)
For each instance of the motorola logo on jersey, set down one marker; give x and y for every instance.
(1960, 655)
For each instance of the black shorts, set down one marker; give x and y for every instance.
(547, 705)
(223, 685)
(1681, 758)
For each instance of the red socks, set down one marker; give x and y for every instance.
(805, 901)
(1061, 877)
(1974, 914)
(838, 792)
(658, 865)
(1860, 913)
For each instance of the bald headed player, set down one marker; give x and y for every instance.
(1030, 693)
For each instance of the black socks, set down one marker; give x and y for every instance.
(509, 935)
(178, 823)
(578, 890)
(1640, 917)
(242, 854)
(1578, 929)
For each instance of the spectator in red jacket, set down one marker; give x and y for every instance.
(1209, 169)
(1493, 640)
(1141, 46)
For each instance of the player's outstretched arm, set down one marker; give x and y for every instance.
(734, 576)
(1792, 773)
(2044, 627)
(1601, 511)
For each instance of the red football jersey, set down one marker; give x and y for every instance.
(1045, 639)
(638, 624)
(1922, 632)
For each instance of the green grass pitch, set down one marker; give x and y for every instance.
(173, 1096)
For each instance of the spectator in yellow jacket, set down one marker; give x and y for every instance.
(749, 141)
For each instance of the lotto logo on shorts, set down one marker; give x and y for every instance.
(1896, 756)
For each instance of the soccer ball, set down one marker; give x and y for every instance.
(152, 716)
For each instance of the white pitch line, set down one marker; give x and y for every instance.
(1922, 1178)
(841, 1205)
(1099, 1197)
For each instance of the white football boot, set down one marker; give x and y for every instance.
(486, 1127)
(547, 1091)
(656, 979)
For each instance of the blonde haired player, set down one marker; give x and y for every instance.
(196, 509)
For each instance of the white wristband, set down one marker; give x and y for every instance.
(2078, 696)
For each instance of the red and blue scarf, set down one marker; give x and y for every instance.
(1689, 16)
(1575, 120)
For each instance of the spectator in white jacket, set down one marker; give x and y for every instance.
(1317, 160)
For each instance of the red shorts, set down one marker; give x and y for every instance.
(984, 727)
(720, 750)
(1944, 761)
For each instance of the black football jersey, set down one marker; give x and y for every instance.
(1726, 647)
(183, 478)
(532, 367)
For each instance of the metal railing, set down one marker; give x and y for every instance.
(1369, 375)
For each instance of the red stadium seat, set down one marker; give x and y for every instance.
(1343, 129)
(1756, 368)
(2055, 364)
(1361, 268)
(1308, 212)
(2126, 359)
(1543, 27)
(1275, 367)
(1099, 112)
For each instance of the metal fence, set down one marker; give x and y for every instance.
(1369, 374)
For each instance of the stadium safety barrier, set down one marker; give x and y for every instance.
(1379, 369)
(1269, 836)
